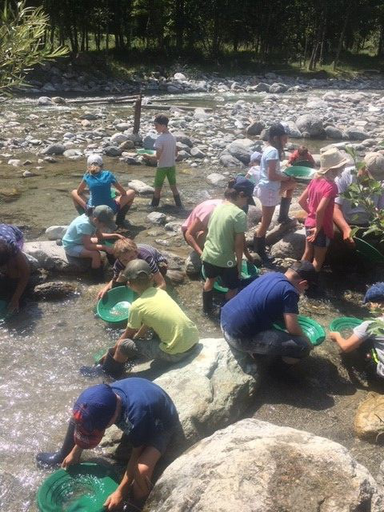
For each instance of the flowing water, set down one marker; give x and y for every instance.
(45, 344)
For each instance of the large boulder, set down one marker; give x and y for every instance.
(118, 138)
(356, 134)
(51, 256)
(193, 264)
(54, 149)
(241, 149)
(255, 128)
(292, 245)
(292, 130)
(214, 389)
(216, 179)
(369, 419)
(55, 232)
(333, 133)
(278, 87)
(254, 466)
(149, 140)
(55, 290)
(311, 124)
(227, 160)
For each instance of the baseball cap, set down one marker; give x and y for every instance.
(105, 214)
(135, 268)
(256, 155)
(375, 293)
(305, 270)
(244, 185)
(332, 158)
(374, 163)
(277, 130)
(95, 159)
(92, 412)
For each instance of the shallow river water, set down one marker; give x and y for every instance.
(44, 346)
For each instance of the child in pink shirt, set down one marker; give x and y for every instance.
(195, 227)
(318, 200)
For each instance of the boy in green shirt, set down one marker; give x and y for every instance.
(176, 334)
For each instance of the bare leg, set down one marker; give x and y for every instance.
(308, 252)
(267, 214)
(142, 484)
(94, 255)
(127, 199)
(319, 257)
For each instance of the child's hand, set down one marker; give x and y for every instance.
(101, 293)
(70, 460)
(311, 238)
(334, 336)
(114, 500)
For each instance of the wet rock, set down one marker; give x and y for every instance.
(212, 390)
(369, 419)
(50, 160)
(149, 140)
(58, 100)
(197, 153)
(128, 144)
(311, 124)
(119, 138)
(9, 194)
(176, 277)
(140, 187)
(277, 88)
(291, 129)
(28, 174)
(14, 162)
(50, 256)
(262, 87)
(55, 232)
(216, 179)
(193, 265)
(292, 245)
(55, 290)
(157, 218)
(44, 101)
(333, 133)
(255, 466)
(112, 151)
(54, 149)
(173, 226)
(255, 128)
(356, 134)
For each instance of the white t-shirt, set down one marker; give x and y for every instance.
(167, 143)
(361, 331)
(253, 174)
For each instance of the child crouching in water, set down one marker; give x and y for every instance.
(125, 250)
(175, 334)
(370, 345)
(318, 200)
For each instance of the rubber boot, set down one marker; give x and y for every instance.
(177, 200)
(155, 201)
(285, 203)
(50, 459)
(110, 367)
(259, 247)
(120, 217)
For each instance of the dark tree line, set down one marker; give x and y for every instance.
(306, 30)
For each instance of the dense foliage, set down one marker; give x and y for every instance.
(306, 30)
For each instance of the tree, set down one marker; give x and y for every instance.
(23, 43)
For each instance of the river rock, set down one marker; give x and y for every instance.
(227, 160)
(311, 124)
(241, 149)
(292, 130)
(262, 87)
(181, 137)
(292, 245)
(369, 419)
(216, 179)
(179, 76)
(44, 101)
(211, 391)
(333, 133)
(55, 232)
(255, 466)
(118, 138)
(197, 153)
(176, 277)
(356, 134)
(122, 126)
(50, 256)
(127, 144)
(55, 290)
(157, 218)
(255, 128)
(278, 88)
(140, 187)
(113, 151)
(254, 215)
(149, 140)
(193, 265)
(73, 154)
(54, 149)
(58, 100)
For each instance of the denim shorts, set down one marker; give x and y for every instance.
(74, 250)
(321, 240)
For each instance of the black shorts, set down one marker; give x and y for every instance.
(229, 275)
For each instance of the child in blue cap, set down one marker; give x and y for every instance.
(138, 407)
(362, 336)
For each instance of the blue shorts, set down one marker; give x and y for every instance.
(321, 240)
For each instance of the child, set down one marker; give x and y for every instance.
(13, 264)
(83, 235)
(99, 184)
(301, 156)
(195, 227)
(125, 250)
(138, 407)
(166, 152)
(318, 201)
(225, 242)
(361, 337)
(253, 173)
(176, 334)
(272, 185)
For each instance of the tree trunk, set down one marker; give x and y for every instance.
(342, 35)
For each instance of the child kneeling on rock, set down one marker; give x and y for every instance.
(176, 334)
(125, 250)
(83, 236)
(370, 344)
(138, 407)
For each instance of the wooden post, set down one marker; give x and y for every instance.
(136, 123)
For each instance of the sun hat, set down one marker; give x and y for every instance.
(375, 293)
(95, 159)
(305, 270)
(277, 130)
(332, 158)
(104, 214)
(256, 156)
(374, 164)
(92, 413)
(135, 268)
(246, 186)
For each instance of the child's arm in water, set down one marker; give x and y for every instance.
(23, 271)
(346, 345)
(73, 457)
